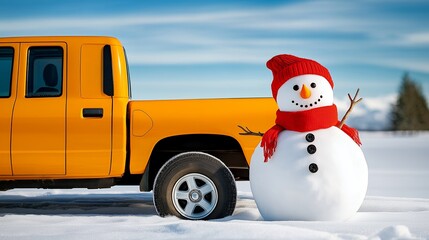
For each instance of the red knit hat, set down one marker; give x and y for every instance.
(285, 67)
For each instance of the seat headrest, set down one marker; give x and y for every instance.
(50, 75)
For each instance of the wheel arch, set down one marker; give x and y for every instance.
(225, 148)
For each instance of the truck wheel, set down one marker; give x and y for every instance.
(195, 185)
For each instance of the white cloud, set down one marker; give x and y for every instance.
(333, 32)
(420, 38)
(329, 16)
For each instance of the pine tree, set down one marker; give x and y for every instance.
(410, 111)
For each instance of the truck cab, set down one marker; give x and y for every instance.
(60, 108)
(67, 121)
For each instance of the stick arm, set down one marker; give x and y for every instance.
(353, 102)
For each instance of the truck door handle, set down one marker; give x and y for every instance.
(92, 112)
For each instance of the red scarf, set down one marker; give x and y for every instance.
(304, 121)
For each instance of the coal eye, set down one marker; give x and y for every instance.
(296, 87)
(313, 85)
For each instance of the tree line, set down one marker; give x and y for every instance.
(410, 112)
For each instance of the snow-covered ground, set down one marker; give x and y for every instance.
(396, 207)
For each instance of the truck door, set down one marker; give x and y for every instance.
(8, 70)
(89, 115)
(39, 116)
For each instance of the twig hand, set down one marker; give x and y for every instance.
(249, 132)
(353, 102)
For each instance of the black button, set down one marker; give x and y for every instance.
(311, 149)
(313, 168)
(309, 137)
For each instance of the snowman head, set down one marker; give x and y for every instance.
(300, 84)
(304, 92)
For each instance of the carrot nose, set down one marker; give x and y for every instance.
(305, 92)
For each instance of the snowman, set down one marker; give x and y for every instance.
(309, 166)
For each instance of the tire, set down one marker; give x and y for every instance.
(195, 185)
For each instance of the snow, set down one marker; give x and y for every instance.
(396, 207)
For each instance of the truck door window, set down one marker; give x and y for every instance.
(45, 72)
(107, 71)
(6, 60)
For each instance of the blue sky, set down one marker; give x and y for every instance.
(193, 49)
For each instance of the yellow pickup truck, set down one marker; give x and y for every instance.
(67, 121)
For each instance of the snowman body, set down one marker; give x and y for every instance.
(316, 175)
